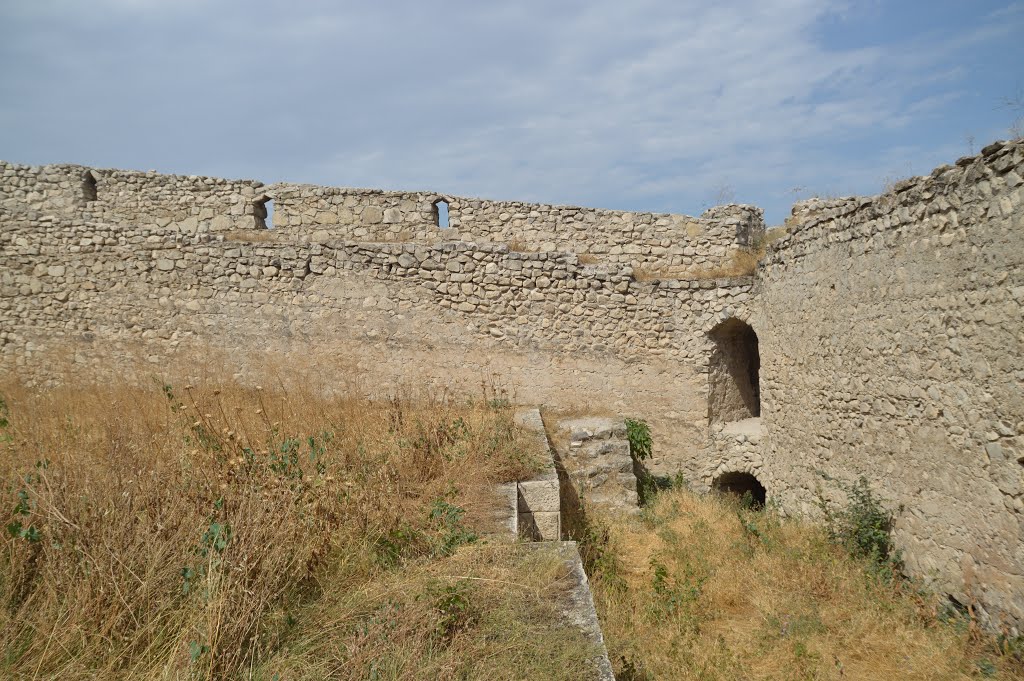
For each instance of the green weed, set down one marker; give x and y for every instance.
(639, 435)
(864, 526)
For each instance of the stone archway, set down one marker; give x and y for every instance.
(734, 373)
(739, 484)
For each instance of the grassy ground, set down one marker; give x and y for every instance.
(699, 588)
(218, 532)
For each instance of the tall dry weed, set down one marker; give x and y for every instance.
(173, 531)
(700, 588)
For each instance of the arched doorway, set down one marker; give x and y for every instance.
(739, 484)
(734, 373)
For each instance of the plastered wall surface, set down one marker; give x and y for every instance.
(892, 346)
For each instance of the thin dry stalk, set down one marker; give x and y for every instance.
(519, 245)
(251, 235)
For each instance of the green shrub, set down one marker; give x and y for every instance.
(451, 533)
(864, 526)
(453, 608)
(639, 435)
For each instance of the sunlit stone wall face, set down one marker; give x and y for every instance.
(892, 344)
(544, 303)
(889, 333)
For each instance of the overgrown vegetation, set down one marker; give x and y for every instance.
(863, 526)
(219, 532)
(639, 435)
(704, 588)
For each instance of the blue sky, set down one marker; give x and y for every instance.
(662, 105)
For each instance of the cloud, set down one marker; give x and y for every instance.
(648, 104)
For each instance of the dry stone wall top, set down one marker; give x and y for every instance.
(193, 204)
(188, 204)
(659, 241)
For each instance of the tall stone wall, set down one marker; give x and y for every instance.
(891, 331)
(545, 326)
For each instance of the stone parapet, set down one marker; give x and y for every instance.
(308, 213)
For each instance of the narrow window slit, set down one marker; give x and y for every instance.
(88, 186)
(263, 212)
(441, 214)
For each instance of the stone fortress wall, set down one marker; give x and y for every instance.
(892, 344)
(305, 213)
(888, 330)
(658, 241)
(139, 270)
(172, 202)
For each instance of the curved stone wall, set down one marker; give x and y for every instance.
(892, 341)
(106, 290)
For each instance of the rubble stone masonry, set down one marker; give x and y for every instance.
(889, 329)
(892, 344)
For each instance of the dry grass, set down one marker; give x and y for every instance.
(391, 627)
(588, 259)
(700, 589)
(517, 245)
(207, 532)
(741, 263)
(251, 235)
(645, 273)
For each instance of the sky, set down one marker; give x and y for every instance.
(647, 105)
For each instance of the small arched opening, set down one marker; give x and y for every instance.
(263, 211)
(734, 373)
(88, 186)
(440, 210)
(743, 486)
